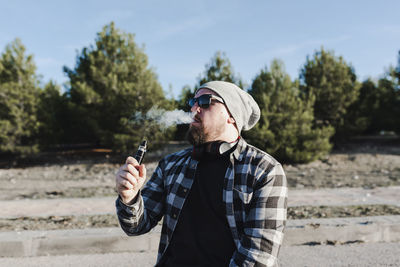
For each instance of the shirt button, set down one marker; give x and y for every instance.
(174, 216)
(193, 165)
(184, 190)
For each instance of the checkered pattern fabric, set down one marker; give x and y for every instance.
(255, 196)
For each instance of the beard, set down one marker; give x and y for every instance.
(196, 135)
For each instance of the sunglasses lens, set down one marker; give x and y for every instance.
(204, 101)
(192, 101)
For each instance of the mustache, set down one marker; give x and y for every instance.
(197, 118)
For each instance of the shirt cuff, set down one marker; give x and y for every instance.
(134, 206)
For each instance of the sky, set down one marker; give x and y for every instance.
(181, 36)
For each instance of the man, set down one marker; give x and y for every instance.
(223, 200)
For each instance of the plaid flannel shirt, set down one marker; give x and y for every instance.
(255, 196)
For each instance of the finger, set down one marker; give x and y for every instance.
(124, 168)
(121, 185)
(131, 160)
(124, 184)
(127, 177)
(142, 171)
(131, 169)
(129, 185)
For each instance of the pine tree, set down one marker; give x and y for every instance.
(396, 111)
(285, 129)
(333, 83)
(52, 114)
(377, 108)
(110, 82)
(396, 72)
(19, 96)
(387, 116)
(219, 68)
(361, 113)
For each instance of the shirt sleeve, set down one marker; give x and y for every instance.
(265, 221)
(141, 216)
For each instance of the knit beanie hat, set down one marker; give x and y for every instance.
(240, 104)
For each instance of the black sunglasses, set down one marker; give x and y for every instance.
(204, 101)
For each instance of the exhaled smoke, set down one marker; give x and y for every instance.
(164, 118)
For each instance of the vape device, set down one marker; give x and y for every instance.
(141, 151)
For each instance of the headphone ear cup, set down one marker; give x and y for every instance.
(215, 148)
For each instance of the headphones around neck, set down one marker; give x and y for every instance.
(215, 148)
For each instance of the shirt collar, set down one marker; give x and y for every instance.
(240, 147)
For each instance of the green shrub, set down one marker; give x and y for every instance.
(285, 129)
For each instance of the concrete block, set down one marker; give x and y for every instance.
(11, 248)
(365, 229)
(92, 244)
(109, 240)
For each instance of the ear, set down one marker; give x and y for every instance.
(231, 120)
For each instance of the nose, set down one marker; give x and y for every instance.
(195, 108)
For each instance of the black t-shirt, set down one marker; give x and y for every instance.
(202, 236)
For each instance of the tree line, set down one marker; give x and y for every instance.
(301, 118)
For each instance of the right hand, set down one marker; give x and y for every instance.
(130, 179)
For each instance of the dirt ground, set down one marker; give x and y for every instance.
(110, 220)
(344, 169)
(357, 165)
(71, 174)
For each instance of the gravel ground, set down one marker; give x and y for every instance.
(58, 222)
(71, 180)
(362, 166)
(110, 220)
(352, 166)
(358, 165)
(309, 212)
(364, 254)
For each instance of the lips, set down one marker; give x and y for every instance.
(196, 119)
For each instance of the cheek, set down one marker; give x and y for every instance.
(216, 118)
(221, 120)
(224, 116)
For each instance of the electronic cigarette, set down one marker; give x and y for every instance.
(141, 151)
